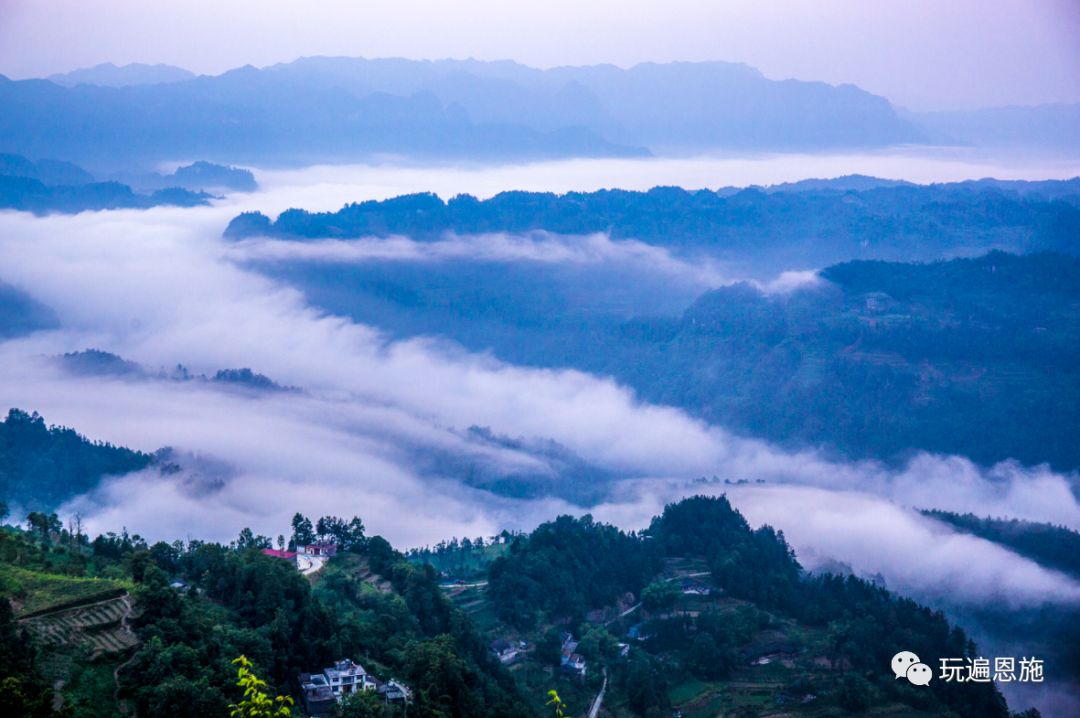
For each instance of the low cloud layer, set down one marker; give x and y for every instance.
(541, 248)
(161, 287)
(328, 187)
(874, 536)
(535, 248)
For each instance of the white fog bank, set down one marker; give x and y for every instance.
(160, 287)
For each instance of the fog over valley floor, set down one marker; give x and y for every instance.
(533, 360)
(378, 421)
(393, 398)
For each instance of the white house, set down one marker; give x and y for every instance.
(342, 678)
(321, 692)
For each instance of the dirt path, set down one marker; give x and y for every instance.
(594, 709)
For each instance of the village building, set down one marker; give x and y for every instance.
(318, 550)
(572, 661)
(394, 692)
(347, 677)
(316, 698)
(322, 692)
(307, 558)
(504, 650)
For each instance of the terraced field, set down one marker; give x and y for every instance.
(102, 627)
(35, 592)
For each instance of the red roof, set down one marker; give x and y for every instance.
(279, 554)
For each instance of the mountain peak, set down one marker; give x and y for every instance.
(108, 74)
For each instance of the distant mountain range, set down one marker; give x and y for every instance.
(1051, 126)
(110, 75)
(340, 109)
(54, 186)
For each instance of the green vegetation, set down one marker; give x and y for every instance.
(814, 227)
(40, 466)
(464, 559)
(766, 638)
(565, 568)
(255, 703)
(975, 357)
(194, 607)
(727, 623)
(659, 595)
(52, 186)
(557, 706)
(1052, 546)
(33, 591)
(23, 691)
(970, 357)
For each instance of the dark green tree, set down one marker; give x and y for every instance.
(364, 704)
(303, 532)
(660, 595)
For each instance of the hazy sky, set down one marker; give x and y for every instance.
(922, 54)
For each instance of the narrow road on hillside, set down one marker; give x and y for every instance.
(599, 700)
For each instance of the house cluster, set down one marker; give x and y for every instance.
(507, 651)
(322, 692)
(306, 558)
(572, 662)
(312, 550)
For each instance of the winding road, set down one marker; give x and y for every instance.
(594, 709)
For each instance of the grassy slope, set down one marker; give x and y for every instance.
(35, 591)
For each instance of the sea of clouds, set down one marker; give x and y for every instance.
(161, 287)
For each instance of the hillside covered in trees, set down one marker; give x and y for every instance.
(42, 465)
(48, 186)
(754, 229)
(197, 606)
(1052, 546)
(976, 357)
(191, 608)
(716, 597)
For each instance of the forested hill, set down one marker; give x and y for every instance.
(976, 357)
(191, 608)
(751, 228)
(21, 314)
(31, 195)
(41, 465)
(1052, 546)
(56, 186)
(715, 597)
